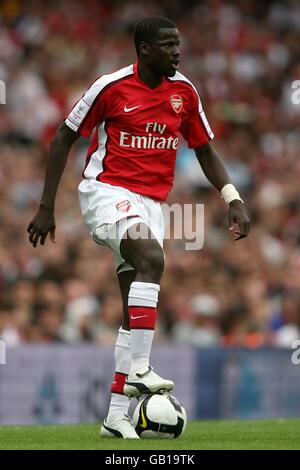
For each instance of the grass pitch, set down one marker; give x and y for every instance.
(199, 435)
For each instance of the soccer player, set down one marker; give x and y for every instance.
(137, 113)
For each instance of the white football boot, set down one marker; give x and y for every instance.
(121, 427)
(145, 381)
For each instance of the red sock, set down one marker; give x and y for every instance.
(118, 383)
(142, 318)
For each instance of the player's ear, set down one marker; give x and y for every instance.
(144, 47)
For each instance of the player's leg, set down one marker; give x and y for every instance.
(126, 278)
(119, 402)
(99, 207)
(117, 423)
(147, 257)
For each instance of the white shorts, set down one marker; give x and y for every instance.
(109, 211)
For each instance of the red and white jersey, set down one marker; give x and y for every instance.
(137, 129)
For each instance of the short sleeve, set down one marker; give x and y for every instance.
(194, 126)
(89, 111)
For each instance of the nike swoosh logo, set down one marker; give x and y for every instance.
(144, 422)
(127, 110)
(140, 316)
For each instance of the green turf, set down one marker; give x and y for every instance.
(271, 434)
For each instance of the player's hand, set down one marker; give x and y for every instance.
(42, 224)
(239, 222)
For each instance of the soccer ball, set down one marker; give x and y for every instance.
(159, 416)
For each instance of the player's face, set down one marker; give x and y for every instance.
(163, 52)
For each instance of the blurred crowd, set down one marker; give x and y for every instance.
(243, 56)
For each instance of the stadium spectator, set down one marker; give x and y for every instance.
(245, 59)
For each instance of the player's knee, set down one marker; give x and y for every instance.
(152, 262)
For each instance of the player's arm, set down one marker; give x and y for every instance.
(217, 175)
(44, 220)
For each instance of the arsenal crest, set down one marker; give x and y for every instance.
(176, 102)
(123, 206)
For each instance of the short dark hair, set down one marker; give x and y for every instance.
(148, 28)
